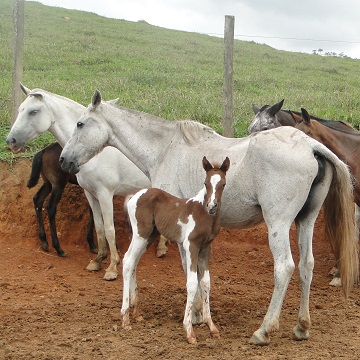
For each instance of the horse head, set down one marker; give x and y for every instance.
(215, 182)
(90, 130)
(266, 117)
(32, 119)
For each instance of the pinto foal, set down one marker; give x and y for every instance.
(192, 222)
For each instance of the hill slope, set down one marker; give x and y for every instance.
(172, 74)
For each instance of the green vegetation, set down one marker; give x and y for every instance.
(172, 74)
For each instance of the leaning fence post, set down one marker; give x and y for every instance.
(18, 19)
(228, 121)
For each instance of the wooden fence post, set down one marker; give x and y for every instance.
(228, 120)
(18, 19)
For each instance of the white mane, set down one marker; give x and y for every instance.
(193, 131)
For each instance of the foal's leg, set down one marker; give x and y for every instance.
(130, 293)
(204, 276)
(197, 317)
(38, 200)
(55, 197)
(95, 264)
(192, 253)
(283, 269)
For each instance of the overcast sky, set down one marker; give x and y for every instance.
(277, 23)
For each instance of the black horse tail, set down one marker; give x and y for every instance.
(35, 169)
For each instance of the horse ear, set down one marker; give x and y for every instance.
(24, 89)
(273, 110)
(113, 101)
(96, 99)
(225, 165)
(256, 108)
(206, 164)
(305, 116)
(296, 118)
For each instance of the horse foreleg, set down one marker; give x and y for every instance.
(283, 269)
(192, 285)
(95, 265)
(38, 200)
(107, 211)
(204, 276)
(55, 197)
(197, 317)
(130, 293)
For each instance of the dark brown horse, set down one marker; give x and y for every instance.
(46, 163)
(269, 117)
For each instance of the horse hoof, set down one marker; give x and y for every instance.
(300, 334)
(93, 266)
(192, 340)
(61, 253)
(45, 247)
(336, 281)
(110, 275)
(215, 334)
(139, 318)
(160, 253)
(259, 339)
(334, 272)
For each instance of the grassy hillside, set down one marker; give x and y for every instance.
(172, 74)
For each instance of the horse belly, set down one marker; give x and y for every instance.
(241, 217)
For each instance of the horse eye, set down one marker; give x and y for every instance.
(33, 112)
(79, 124)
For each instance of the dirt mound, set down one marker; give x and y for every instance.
(51, 308)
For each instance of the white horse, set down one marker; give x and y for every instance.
(108, 174)
(277, 176)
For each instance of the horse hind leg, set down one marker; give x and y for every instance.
(305, 223)
(55, 197)
(90, 233)
(283, 269)
(38, 200)
(204, 276)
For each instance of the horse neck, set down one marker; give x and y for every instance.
(64, 115)
(142, 137)
(338, 142)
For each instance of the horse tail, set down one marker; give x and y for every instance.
(35, 169)
(339, 217)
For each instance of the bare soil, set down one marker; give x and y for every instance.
(52, 308)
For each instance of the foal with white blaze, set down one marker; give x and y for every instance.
(192, 222)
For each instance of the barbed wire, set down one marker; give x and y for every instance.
(289, 38)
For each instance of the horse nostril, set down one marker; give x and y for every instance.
(61, 160)
(10, 141)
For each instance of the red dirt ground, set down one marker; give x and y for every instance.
(52, 308)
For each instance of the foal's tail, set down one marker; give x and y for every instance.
(340, 224)
(35, 169)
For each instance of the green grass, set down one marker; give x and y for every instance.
(168, 73)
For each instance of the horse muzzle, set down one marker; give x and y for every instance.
(212, 208)
(13, 145)
(69, 166)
